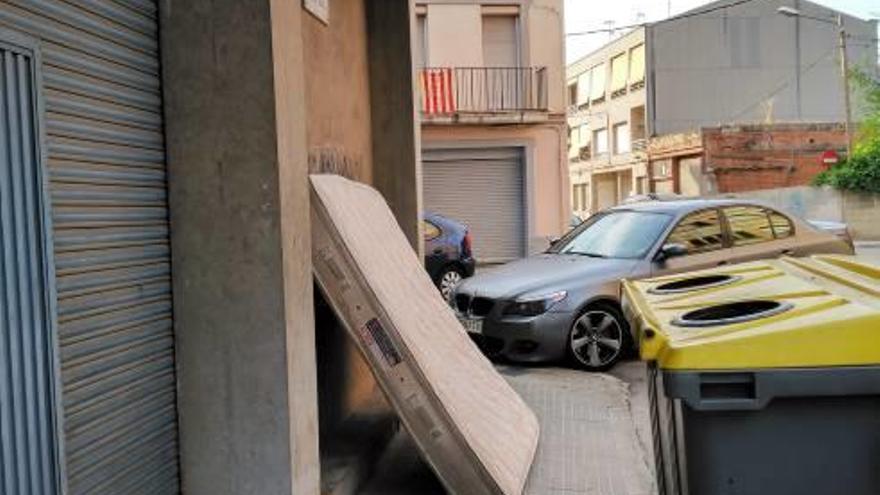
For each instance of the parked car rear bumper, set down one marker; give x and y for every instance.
(469, 265)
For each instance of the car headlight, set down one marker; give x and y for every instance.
(534, 306)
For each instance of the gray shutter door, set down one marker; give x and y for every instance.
(27, 435)
(482, 188)
(103, 113)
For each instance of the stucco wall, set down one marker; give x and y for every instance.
(338, 91)
(768, 67)
(545, 46)
(547, 183)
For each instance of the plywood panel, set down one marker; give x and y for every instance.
(472, 428)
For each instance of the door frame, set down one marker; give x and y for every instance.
(24, 44)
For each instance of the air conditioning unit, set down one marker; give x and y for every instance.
(584, 153)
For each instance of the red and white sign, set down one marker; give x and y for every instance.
(438, 95)
(830, 157)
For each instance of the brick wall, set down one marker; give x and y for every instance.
(747, 158)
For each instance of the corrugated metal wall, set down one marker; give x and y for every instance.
(101, 90)
(27, 446)
(484, 188)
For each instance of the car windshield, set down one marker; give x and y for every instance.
(615, 234)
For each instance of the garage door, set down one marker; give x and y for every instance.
(99, 87)
(483, 188)
(27, 440)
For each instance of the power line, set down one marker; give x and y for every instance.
(674, 18)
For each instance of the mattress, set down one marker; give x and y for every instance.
(471, 427)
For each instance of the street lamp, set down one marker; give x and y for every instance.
(844, 64)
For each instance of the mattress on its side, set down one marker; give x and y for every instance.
(471, 427)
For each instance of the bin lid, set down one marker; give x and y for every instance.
(822, 311)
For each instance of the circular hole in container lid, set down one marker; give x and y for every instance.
(730, 313)
(693, 283)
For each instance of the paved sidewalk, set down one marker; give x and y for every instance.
(595, 436)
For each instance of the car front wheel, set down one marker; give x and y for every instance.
(597, 338)
(448, 281)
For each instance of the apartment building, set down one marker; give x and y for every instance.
(493, 120)
(607, 124)
(728, 62)
(159, 332)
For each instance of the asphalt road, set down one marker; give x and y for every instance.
(595, 436)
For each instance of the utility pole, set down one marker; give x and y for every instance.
(844, 69)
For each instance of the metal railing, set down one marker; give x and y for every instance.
(483, 89)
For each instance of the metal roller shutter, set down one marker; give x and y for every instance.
(103, 115)
(27, 446)
(483, 188)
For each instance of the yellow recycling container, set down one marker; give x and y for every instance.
(764, 376)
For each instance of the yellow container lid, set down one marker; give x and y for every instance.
(822, 311)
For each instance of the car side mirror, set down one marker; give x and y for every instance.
(671, 250)
(554, 241)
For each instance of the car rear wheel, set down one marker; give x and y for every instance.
(598, 338)
(448, 281)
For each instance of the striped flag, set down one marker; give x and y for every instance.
(438, 96)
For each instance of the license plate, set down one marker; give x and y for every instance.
(472, 325)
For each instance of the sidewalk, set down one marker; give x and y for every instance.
(595, 436)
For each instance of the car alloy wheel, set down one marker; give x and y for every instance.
(596, 339)
(448, 282)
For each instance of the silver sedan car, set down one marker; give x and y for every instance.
(565, 302)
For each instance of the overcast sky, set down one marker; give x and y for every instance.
(586, 15)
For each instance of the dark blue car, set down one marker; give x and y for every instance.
(448, 255)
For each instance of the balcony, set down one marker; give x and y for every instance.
(483, 94)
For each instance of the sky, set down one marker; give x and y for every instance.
(586, 15)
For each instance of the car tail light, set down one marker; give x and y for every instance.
(466, 244)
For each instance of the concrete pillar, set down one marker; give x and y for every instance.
(240, 236)
(397, 169)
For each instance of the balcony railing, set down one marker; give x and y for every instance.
(450, 90)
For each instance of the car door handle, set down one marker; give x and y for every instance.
(722, 263)
(786, 252)
(438, 250)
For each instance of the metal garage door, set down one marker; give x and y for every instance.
(484, 189)
(27, 435)
(103, 121)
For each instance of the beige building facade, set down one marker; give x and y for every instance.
(607, 124)
(491, 77)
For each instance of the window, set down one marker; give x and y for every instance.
(782, 226)
(431, 231)
(421, 42)
(637, 65)
(618, 74)
(572, 142)
(614, 234)
(597, 82)
(600, 142)
(748, 225)
(500, 41)
(698, 232)
(579, 197)
(583, 89)
(572, 93)
(622, 138)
